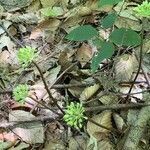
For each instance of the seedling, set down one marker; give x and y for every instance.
(143, 10)
(74, 115)
(20, 93)
(26, 55)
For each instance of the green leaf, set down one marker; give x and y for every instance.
(97, 42)
(125, 37)
(108, 2)
(82, 33)
(52, 12)
(109, 20)
(106, 52)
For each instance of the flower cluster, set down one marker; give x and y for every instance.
(20, 93)
(74, 115)
(26, 55)
(143, 10)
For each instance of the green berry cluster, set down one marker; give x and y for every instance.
(26, 55)
(20, 93)
(74, 115)
(143, 10)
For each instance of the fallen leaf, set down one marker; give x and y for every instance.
(77, 142)
(104, 119)
(84, 54)
(108, 99)
(119, 121)
(49, 24)
(89, 92)
(29, 132)
(125, 65)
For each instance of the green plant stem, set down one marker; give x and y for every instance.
(46, 87)
(140, 62)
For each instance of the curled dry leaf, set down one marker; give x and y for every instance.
(104, 119)
(50, 24)
(89, 92)
(84, 54)
(109, 99)
(119, 121)
(124, 67)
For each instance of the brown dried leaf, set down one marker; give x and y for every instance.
(119, 121)
(89, 92)
(84, 54)
(50, 24)
(29, 132)
(124, 67)
(104, 119)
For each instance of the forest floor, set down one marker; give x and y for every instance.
(113, 88)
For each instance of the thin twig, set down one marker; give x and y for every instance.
(12, 124)
(145, 74)
(140, 63)
(56, 86)
(46, 87)
(60, 76)
(39, 102)
(116, 107)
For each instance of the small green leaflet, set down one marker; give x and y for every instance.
(52, 12)
(109, 20)
(125, 37)
(82, 33)
(108, 2)
(105, 52)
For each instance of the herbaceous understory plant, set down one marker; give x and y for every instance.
(119, 37)
(143, 10)
(20, 93)
(26, 55)
(74, 115)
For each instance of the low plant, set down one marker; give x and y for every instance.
(143, 10)
(74, 115)
(20, 92)
(26, 55)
